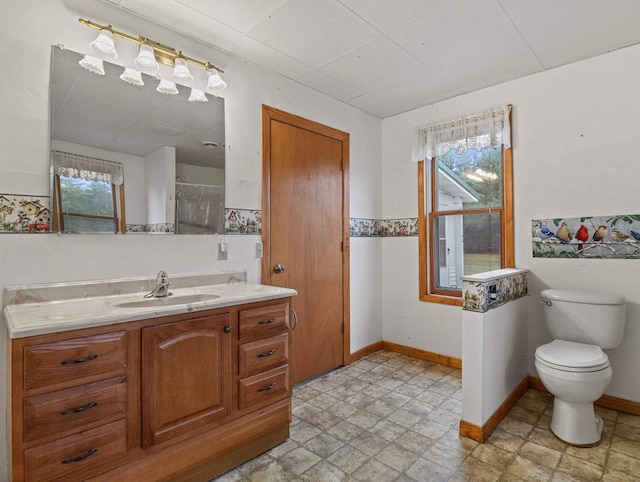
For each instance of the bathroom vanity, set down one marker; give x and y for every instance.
(105, 385)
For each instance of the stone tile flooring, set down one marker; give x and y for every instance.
(390, 417)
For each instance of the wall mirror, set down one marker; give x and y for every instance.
(167, 154)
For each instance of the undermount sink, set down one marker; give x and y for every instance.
(168, 301)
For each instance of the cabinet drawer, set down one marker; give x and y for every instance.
(270, 385)
(77, 457)
(263, 322)
(75, 409)
(67, 363)
(261, 355)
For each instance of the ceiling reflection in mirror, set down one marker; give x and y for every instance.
(172, 153)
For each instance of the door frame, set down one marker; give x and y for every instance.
(269, 114)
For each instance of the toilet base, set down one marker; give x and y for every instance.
(576, 423)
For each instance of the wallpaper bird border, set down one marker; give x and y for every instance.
(610, 237)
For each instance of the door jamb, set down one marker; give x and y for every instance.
(269, 114)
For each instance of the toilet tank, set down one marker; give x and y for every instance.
(588, 317)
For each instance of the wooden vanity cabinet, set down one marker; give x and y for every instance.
(181, 397)
(186, 376)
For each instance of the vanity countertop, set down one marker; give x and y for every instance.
(42, 317)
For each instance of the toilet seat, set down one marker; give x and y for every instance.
(569, 356)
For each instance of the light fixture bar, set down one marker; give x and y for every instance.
(165, 55)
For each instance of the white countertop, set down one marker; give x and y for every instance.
(28, 319)
(493, 275)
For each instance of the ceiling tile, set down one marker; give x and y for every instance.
(375, 66)
(373, 105)
(253, 51)
(418, 92)
(330, 86)
(563, 32)
(490, 66)
(313, 31)
(182, 19)
(387, 15)
(238, 14)
(455, 31)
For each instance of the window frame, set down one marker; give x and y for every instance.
(426, 244)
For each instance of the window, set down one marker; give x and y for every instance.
(88, 195)
(465, 220)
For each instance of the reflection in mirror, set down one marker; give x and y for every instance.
(127, 158)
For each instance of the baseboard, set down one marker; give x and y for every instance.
(605, 401)
(480, 434)
(367, 350)
(423, 355)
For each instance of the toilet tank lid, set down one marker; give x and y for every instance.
(576, 296)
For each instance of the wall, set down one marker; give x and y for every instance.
(29, 29)
(160, 185)
(575, 131)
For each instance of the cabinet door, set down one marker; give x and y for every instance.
(186, 376)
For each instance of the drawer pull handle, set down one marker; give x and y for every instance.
(264, 389)
(79, 409)
(80, 457)
(80, 360)
(267, 322)
(269, 353)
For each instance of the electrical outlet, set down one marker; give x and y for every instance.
(222, 253)
(259, 250)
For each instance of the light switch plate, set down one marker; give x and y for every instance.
(259, 250)
(222, 255)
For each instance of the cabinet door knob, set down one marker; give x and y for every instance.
(278, 268)
(227, 329)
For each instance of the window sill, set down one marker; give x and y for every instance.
(445, 300)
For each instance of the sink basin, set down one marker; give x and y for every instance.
(168, 301)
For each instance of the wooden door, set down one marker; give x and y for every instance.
(305, 229)
(186, 376)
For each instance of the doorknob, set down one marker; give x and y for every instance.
(278, 268)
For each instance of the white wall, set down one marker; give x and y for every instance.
(494, 358)
(28, 29)
(160, 185)
(575, 131)
(200, 175)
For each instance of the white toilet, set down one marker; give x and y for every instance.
(573, 366)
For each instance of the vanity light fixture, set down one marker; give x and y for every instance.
(197, 96)
(215, 84)
(167, 87)
(132, 76)
(150, 55)
(103, 47)
(92, 64)
(146, 60)
(180, 70)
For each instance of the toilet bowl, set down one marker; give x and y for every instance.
(577, 374)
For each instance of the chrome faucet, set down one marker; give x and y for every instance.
(161, 289)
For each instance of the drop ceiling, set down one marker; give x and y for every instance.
(390, 56)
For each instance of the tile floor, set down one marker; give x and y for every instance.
(390, 417)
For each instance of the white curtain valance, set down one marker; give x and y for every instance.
(88, 168)
(489, 128)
